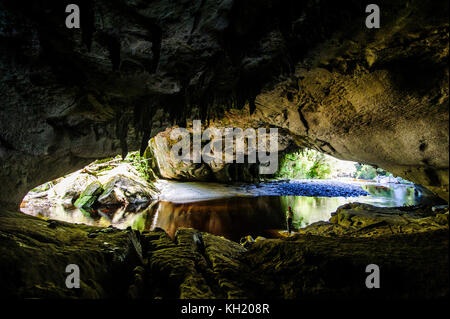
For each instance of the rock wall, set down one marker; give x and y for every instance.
(121, 264)
(225, 157)
(69, 96)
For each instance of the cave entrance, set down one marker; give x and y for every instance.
(129, 193)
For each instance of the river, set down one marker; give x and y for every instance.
(227, 211)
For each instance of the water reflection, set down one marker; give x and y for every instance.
(308, 210)
(232, 217)
(120, 217)
(259, 216)
(393, 195)
(228, 217)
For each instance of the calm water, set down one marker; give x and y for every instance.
(233, 217)
(308, 210)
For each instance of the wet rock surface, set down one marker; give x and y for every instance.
(309, 68)
(35, 253)
(362, 220)
(311, 264)
(102, 184)
(313, 188)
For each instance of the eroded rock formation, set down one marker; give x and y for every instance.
(69, 96)
(227, 156)
(315, 264)
(35, 254)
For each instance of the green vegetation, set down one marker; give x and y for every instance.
(364, 171)
(142, 165)
(42, 188)
(105, 160)
(305, 163)
(311, 164)
(88, 198)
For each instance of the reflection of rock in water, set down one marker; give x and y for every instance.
(403, 195)
(231, 217)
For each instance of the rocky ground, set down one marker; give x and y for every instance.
(363, 220)
(324, 260)
(188, 191)
(314, 188)
(310, 69)
(100, 187)
(35, 253)
(112, 191)
(118, 182)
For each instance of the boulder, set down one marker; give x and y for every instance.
(215, 168)
(307, 69)
(121, 189)
(68, 189)
(363, 220)
(89, 196)
(172, 168)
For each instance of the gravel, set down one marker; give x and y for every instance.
(310, 188)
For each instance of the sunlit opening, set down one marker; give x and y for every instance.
(128, 192)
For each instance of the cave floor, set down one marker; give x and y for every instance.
(326, 260)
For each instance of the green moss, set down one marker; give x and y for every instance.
(43, 187)
(104, 160)
(89, 195)
(142, 165)
(105, 169)
(85, 201)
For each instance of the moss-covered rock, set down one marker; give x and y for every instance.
(414, 265)
(89, 195)
(121, 189)
(363, 220)
(124, 187)
(34, 255)
(180, 269)
(113, 263)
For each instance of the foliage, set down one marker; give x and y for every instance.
(364, 171)
(104, 160)
(311, 164)
(305, 163)
(42, 188)
(142, 165)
